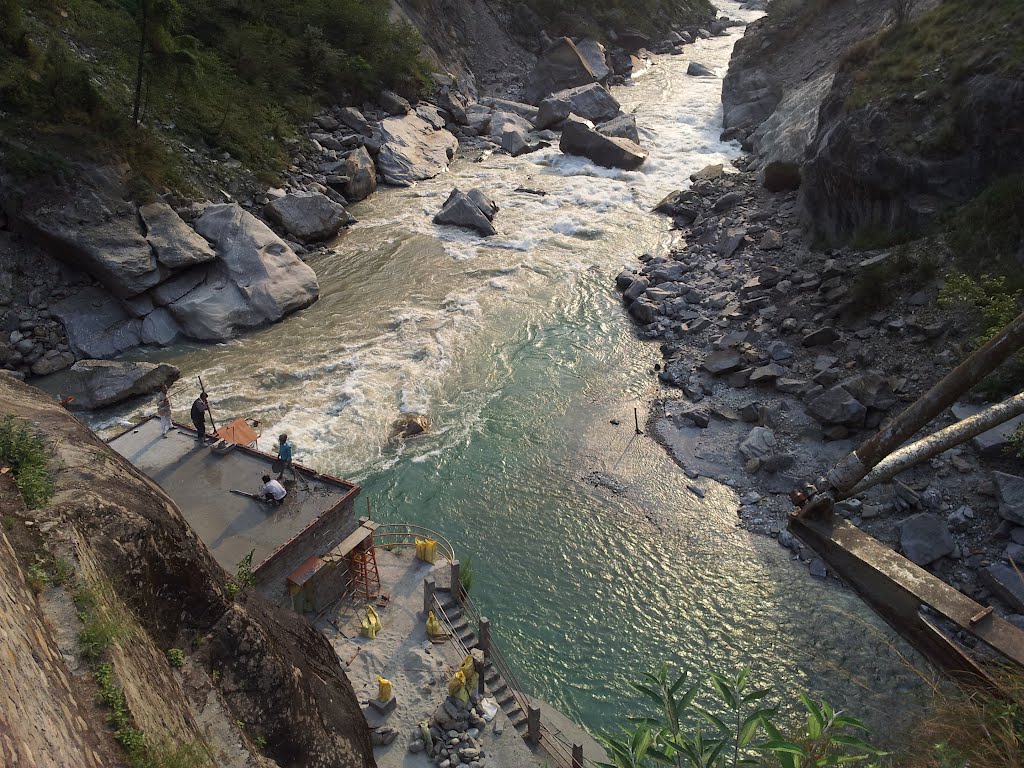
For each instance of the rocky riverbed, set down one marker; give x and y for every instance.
(780, 359)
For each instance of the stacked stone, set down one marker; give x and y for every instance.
(455, 734)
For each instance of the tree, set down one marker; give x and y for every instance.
(156, 20)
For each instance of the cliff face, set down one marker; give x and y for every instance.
(255, 683)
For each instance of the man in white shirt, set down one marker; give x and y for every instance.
(272, 491)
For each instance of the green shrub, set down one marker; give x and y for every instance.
(176, 657)
(987, 234)
(25, 452)
(36, 576)
(466, 574)
(988, 300)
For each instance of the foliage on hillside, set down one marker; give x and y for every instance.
(931, 58)
(565, 17)
(235, 75)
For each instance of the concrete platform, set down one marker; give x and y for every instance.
(200, 483)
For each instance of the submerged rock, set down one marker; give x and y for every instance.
(473, 210)
(580, 138)
(411, 425)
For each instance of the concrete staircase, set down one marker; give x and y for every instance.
(494, 683)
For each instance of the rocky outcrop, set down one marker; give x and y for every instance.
(472, 210)
(174, 242)
(859, 174)
(257, 279)
(579, 137)
(308, 216)
(100, 383)
(96, 324)
(561, 66)
(256, 664)
(412, 150)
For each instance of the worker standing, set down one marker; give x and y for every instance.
(199, 410)
(284, 455)
(163, 409)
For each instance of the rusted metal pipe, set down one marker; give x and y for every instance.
(933, 445)
(851, 470)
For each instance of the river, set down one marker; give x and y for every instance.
(590, 554)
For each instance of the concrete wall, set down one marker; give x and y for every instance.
(323, 535)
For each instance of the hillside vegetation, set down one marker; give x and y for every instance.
(651, 16)
(230, 75)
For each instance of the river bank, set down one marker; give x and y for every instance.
(779, 359)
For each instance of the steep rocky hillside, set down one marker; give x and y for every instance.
(127, 607)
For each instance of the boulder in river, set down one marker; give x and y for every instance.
(411, 425)
(362, 175)
(101, 383)
(472, 210)
(596, 57)
(591, 101)
(411, 150)
(561, 66)
(623, 126)
(579, 137)
(696, 69)
(308, 216)
(256, 280)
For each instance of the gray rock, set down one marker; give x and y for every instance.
(52, 362)
(820, 337)
(101, 383)
(174, 242)
(592, 102)
(177, 286)
(771, 241)
(1006, 582)
(723, 361)
(96, 324)
(468, 210)
(256, 280)
(308, 216)
(779, 351)
(727, 201)
(393, 104)
(1015, 554)
(354, 119)
(636, 289)
(561, 66)
(160, 328)
(1010, 493)
(430, 113)
(580, 138)
(699, 70)
(996, 441)
(872, 389)
(766, 374)
(623, 126)
(596, 57)
(412, 150)
(924, 538)
(759, 444)
(362, 175)
(837, 406)
(817, 568)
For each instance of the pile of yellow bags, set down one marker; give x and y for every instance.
(371, 623)
(426, 550)
(464, 680)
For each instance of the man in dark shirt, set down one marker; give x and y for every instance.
(199, 410)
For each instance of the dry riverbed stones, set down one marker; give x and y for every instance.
(453, 735)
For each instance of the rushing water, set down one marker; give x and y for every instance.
(590, 555)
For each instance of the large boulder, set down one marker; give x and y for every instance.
(696, 69)
(561, 66)
(579, 137)
(592, 102)
(411, 150)
(308, 216)
(780, 142)
(256, 280)
(872, 389)
(362, 175)
(526, 111)
(472, 210)
(174, 242)
(924, 538)
(838, 406)
(1010, 492)
(596, 57)
(392, 103)
(92, 228)
(97, 325)
(100, 383)
(160, 328)
(354, 119)
(511, 132)
(623, 126)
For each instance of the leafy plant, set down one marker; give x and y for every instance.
(988, 298)
(720, 721)
(176, 657)
(25, 452)
(243, 576)
(466, 574)
(36, 576)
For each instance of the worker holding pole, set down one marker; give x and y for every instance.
(200, 408)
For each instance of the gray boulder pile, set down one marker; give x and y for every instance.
(453, 735)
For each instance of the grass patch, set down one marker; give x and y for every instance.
(104, 621)
(24, 451)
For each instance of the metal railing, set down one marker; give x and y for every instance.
(402, 535)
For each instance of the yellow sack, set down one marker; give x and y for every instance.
(384, 689)
(374, 618)
(426, 550)
(370, 624)
(433, 625)
(469, 673)
(457, 687)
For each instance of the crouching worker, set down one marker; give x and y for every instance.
(272, 491)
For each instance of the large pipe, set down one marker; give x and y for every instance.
(855, 467)
(933, 445)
